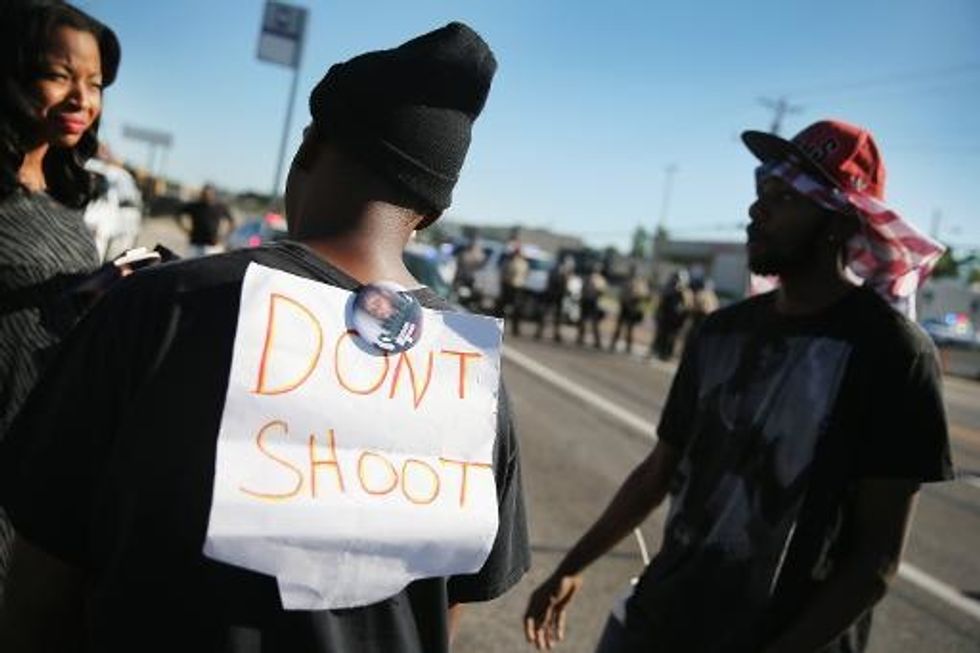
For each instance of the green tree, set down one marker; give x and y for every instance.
(640, 247)
(947, 266)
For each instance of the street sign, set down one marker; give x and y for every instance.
(281, 39)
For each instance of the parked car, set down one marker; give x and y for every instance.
(257, 231)
(952, 329)
(486, 280)
(115, 215)
(424, 262)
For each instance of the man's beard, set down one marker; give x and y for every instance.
(771, 261)
(781, 263)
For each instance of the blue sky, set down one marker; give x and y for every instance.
(592, 100)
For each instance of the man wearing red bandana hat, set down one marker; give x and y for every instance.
(838, 167)
(797, 433)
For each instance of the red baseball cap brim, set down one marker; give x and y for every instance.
(768, 147)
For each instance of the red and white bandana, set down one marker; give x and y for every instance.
(888, 253)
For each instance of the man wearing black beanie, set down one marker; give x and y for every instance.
(117, 447)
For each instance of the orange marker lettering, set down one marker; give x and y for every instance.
(340, 377)
(270, 330)
(331, 461)
(260, 443)
(391, 471)
(464, 468)
(403, 359)
(432, 472)
(463, 356)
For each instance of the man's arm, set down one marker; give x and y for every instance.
(455, 612)
(182, 218)
(642, 491)
(882, 517)
(226, 222)
(42, 608)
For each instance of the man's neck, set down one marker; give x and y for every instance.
(368, 255)
(31, 172)
(812, 290)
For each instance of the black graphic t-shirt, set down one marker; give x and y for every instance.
(110, 467)
(779, 417)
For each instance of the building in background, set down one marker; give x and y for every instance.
(550, 241)
(725, 263)
(940, 297)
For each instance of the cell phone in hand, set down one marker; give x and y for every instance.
(134, 259)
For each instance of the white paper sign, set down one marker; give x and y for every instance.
(344, 473)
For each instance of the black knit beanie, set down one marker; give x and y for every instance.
(407, 113)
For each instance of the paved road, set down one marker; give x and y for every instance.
(575, 456)
(163, 230)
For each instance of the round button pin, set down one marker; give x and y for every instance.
(387, 316)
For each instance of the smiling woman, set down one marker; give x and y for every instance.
(54, 63)
(70, 87)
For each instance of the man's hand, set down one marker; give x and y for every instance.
(452, 622)
(544, 619)
(640, 493)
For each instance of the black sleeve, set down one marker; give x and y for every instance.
(906, 434)
(510, 557)
(53, 460)
(677, 419)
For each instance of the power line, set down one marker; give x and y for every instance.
(945, 150)
(898, 78)
(922, 92)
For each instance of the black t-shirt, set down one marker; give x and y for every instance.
(778, 419)
(111, 465)
(205, 221)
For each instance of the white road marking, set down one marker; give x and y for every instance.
(628, 418)
(940, 590)
(970, 386)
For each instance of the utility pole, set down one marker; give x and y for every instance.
(781, 108)
(660, 228)
(669, 173)
(281, 42)
(937, 223)
(281, 160)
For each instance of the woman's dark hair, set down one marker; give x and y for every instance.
(26, 30)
